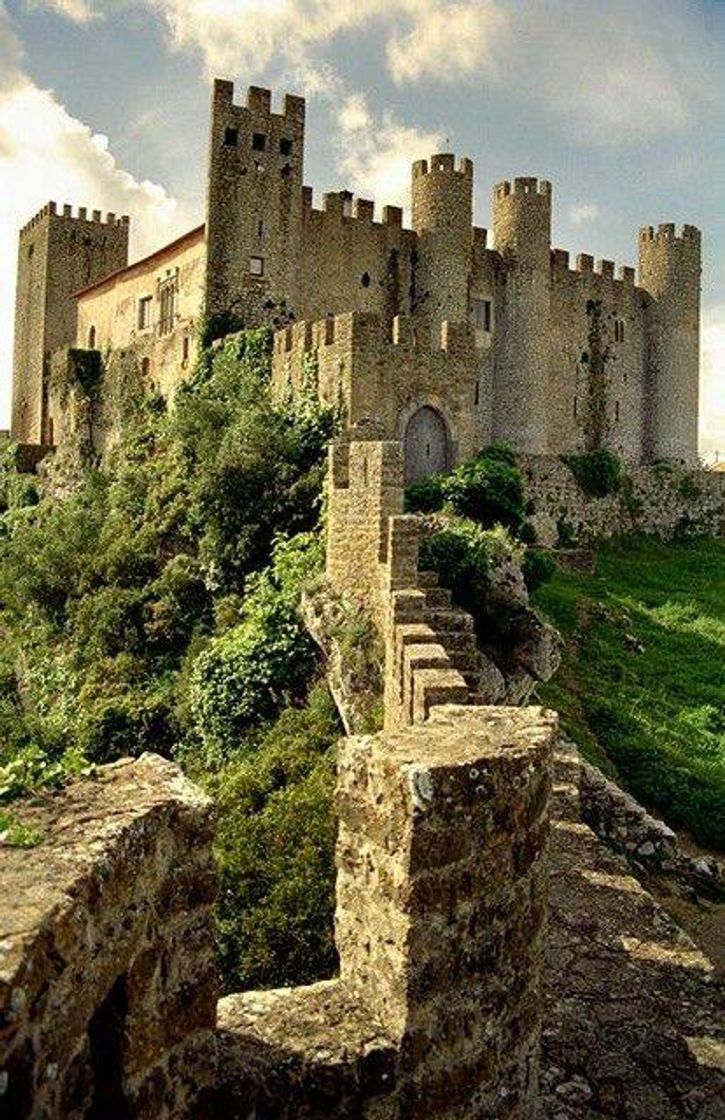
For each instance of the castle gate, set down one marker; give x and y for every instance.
(427, 449)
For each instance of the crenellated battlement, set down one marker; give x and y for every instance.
(522, 186)
(343, 206)
(258, 101)
(585, 265)
(667, 232)
(359, 331)
(443, 162)
(50, 212)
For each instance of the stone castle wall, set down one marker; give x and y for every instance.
(563, 359)
(385, 372)
(108, 314)
(441, 909)
(107, 971)
(58, 254)
(660, 500)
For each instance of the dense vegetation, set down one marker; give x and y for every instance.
(642, 689)
(154, 607)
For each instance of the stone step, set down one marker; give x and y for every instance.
(459, 641)
(427, 579)
(437, 597)
(466, 661)
(448, 621)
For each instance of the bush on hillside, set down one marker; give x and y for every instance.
(463, 553)
(598, 473)
(275, 852)
(425, 495)
(250, 672)
(488, 489)
(538, 566)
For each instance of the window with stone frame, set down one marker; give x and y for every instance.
(482, 314)
(145, 312)
(168, 295)
(256, 266)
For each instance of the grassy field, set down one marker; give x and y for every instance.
(642, 685)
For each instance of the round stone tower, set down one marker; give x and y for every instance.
(522, 235)
(669, 270)
(442, 202)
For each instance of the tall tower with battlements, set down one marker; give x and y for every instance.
(254, 207)
(58, 254)
(442, 209)
(522, 235)
(669, 270)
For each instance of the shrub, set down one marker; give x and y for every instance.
(425, 495)
(252, 670)
(598, 473)
(488, 489)
(538, 566)
(275, 852)
(462, 554)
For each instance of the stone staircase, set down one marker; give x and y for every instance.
(436, 659)
(454, 630)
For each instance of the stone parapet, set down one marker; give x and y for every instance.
(107, 975)
(441, 904)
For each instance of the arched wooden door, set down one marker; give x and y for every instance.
(426, 444)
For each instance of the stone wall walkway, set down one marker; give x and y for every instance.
(634, 1025)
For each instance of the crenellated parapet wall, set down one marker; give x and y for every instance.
(383, 371)
(440, 924)
(107, 970)
(51, 212)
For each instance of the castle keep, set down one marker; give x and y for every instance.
(447, 335)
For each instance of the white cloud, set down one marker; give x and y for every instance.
(448, 41)
(79, 11)
(378, 152)
(712, 386)
(45, 154)
(583, 212)
(608, 72)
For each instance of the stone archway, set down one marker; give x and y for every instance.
(427, 446)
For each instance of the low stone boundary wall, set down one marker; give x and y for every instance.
(107, 974)
(441, 905)
(625, 826)
(661, 500)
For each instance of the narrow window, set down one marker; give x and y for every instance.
(31, 250)
(260, 230)
(145, 366)
(619, 330)
(168, 294)
(477, 396)
(259, 142)
(256, 266)
(365, 279)
(616, 411)
(92, 338)
(145, 308)
(482, 314)
(185, 349)
(231, 137)
(576, 408)
(285, 146)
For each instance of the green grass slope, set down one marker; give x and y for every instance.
(642, 685)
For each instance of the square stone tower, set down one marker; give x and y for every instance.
(254, 208)
(58, 254)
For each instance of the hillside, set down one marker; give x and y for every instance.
(641, 687)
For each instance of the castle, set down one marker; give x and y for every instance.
(447, 341)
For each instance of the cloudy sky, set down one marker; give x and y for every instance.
(621, 103)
